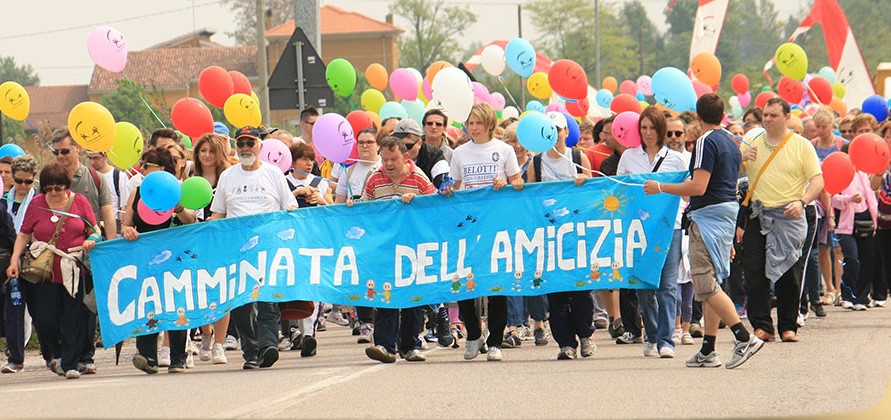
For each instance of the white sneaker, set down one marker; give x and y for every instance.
(676, 336)
(859, 307)
(190, 361)
(687, 339)
(231, 343)
(472, 348)
(801, 319)
(847, 305)
(666, 353)
(880, 303)
(494, 354)
(204, 351)
(219, 354)
(650, 350)
(164, 357)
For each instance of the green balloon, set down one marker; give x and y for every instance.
(341, 76)
(766, 88)
(197, 193)
(186, 140)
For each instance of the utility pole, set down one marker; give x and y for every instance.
(520, 34)
(597, 42)
(262, 61)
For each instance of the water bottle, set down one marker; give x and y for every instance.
(15, 294)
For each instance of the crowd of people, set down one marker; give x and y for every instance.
(755, 229)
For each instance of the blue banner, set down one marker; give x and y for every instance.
(546, 238)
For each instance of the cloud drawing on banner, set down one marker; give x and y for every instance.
(549, 202)
(355, 233)
(162, 257)
(250, 244)
(286, 235)
(561, 212)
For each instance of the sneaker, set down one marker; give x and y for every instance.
(176, 369)
(801, 318)
(629, 338)
(818, 310)
(250, 365)
(308, 349)
(666, 353)
(231, 343)
(743, 350)
(415, 355)
(676, 336)
(142, 363)
(320, 325)
(510, 341)
(72, 374)
(267, 357)
(204, 353)
(566, 353)
(285, 344)
(218, 354)
(164, 357)
(297, 342)
(366, 334)
(494, 354)
(430, 337)
(12, 368)
(87, 369)
(601, 324)
(847, 305)
(525, 333)
(472, 348)
(587, 347)
(650, 350)
(339, 319)
(190, 361)
(442, 327)
(616, 329)
(422, 341)
(859, 307)
(380, 354)
(698, 360)
(541, 339)
(55, 366)
(880, 303)
(695, 331)
(687, 339)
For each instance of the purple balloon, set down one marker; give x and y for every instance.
(333, 136)
(497, 100)
(480, 91)
(275, 152)
(108, 48)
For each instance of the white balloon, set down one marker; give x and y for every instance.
(417, 74)
(492, 59)
(453, 93)
(734, 101)
(510, 112)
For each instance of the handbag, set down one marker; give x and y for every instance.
(40, 268)
(863, 228)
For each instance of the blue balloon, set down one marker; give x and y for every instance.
(873, 104)
(535, 106)
(673, 89)
(537, 133)
(604, 97)
(640, 96)
(11, 150)
(520, 56)
(414, 109)
(827, 73)
(160, 191)
(393, 110)
(574, 132)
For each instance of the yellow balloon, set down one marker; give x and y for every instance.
(127, 147)
(538, 85)
(242, 110)
(92, 126)
(14, 101)
(838, 90)
(255, 97)
(791, 61)
(372, 100)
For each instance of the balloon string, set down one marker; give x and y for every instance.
(506, 90)
(138, 92)
(611, 178)
(349, 187)
(37, 132)
(309, 174)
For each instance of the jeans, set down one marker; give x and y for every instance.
(859, 262)
(403, 325)
(659, 306)
(572, 314)
(685, 302)
(521, 308)
(257, 324)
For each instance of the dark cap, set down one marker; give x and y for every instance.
(406, 127)
(248, 131)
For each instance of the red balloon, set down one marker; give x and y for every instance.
(869, 153)
(740, 83)
(359, 120)
(192, 117)
(568, 79)
(628, 87)
(822, 89)
(240, 83)
(701, 88)
(354, 154)
(838, 172)
(763, 97)
(625, 102)
(791, 90)
(215, 85)
(578, 108)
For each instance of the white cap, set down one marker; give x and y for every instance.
(558, 119)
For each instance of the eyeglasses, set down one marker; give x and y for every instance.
(433, 123)
(368, 143)
(241, 143)
(23, 181)
(676, 133)
(410, 146)
(55, 188)
(57, 152)
(96, 157)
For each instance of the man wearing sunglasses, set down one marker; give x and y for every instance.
(425, 156)
(253, 187)
(114, 177)
(435, 123)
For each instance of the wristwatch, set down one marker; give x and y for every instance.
(803, 204)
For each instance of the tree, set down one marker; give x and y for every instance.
(23, 74)
(277, 11)
(125, 105)
(434, 31)
(646, 38)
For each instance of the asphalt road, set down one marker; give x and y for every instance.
(842, 364)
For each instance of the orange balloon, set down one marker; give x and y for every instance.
(435, 68)
(610, 83)
(706, 68)
(375, 118)
(376, 75)
(838, 106)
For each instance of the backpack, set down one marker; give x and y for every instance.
(576, 159)
(838, 143)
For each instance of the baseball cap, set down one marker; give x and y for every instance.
(220, 128)
(558, 119)
(248, 131)
(406, 127)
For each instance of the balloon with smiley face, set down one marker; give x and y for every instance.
(790, 90)
(645, 85)
(452, 93)
(276, 153)
(520, 56)
(14, 101)
(869, 153)
(108, 48)
(241, 110)
(791, 61)
(625, 129)
(92, 126)
(333, 136)
(536, 132)
(568, 79)
(673, 89)
(341, 76)
(706, 68)
(127, 147)
(538, 85)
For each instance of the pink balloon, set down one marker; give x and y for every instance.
(425, 87)
(480, 91)
(555, 107)
(645, 85)
(333, 136)
(625, 129)
(628, 87)
(108, 48)
(497, 101)
(150, 216)
(701, 88)
(744, 99)
(404, 84)
(276, 153)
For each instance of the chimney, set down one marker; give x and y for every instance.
(268, 19)
(389, 18)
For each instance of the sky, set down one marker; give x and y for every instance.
(51, 35)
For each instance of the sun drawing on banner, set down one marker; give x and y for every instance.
(613, 203)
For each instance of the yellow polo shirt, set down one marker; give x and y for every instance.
(786, 178)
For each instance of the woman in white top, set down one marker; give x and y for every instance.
(353, 178)
(658, 306)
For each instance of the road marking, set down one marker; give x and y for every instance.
(64, 385)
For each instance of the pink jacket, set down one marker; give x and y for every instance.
(848, 208)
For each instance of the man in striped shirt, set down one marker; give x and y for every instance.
(398, 177)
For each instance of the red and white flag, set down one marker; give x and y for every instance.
(844, 53)
(707, 26)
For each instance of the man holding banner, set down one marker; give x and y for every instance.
(253, 187)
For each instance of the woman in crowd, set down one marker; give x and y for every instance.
(825, 144)
(856, 235)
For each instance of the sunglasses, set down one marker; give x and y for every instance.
(241, 143)
(57, 152)
(410, 146)
(676, 133)
(23, 181)
(55, 188)
(433, 123)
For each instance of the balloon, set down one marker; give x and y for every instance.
(334, 137)
(706, 68)
(414, 109)
(568, 79)
(827, 73)
(215, 85)
(535, 106)
(536, 132)
(192, 117)
(876, 106)
(434, 69)
(538, 85)
(628, 87)
(869, 153)
(639, 96)
(108, 48)
(574, 132)
(153, 217)
(376, 75)
(762, 98)
(645, 85)
(838, 90)
(418, 76)
(403, 84)
(497, 100)
(745, 99)
(127, 147)
(555, 107)
(14, 101)
(625, 128)
(603, 97)
(276, 153)
(790, 90)
(92, 126)
(241, 110)
(673, 89)
(520, 56)
(372, 100)
(341, 76)
(197, 192)
(820, 88)
(160, 191)
(240, 82)
(610, 84)
(375, 118)
(733, 101)
(578, 108)
(740, 83)
(492, 60)
(427, 90)
(701, 88)
(480, 91)
(186, 140)
(791, 61)
(624, 102)
(359, 120)
(393, 110)
(452, 93)
(12, 150)
(510, 112)
(838, 172)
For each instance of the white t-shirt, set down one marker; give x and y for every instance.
(242, 193)
(557, 169)
(322, 187)
(123, 181)
(636, 161)
(476, 165)
(356, 174)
